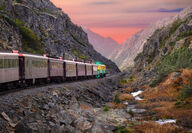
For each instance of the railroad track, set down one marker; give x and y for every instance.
(54, 84)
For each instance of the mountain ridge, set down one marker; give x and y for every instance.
(104, 45)
(124, 56)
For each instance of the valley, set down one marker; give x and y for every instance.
(151, 94)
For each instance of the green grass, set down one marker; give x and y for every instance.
(46, 11)
(116, 99)
(185, 34)
(172, 30)
(82, 56)
(181, 36)
(123, 81)
(181, 58)
(131, 78)
(124, 129)
(76, 52)
(175, 25)
(106, 108)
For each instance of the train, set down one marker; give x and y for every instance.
(18, 70)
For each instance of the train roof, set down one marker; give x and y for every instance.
(70, 61)
(89, 64)
(55, 59)
(34, 56)
(11, 54)
(80, 62)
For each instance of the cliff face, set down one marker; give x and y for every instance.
(124, 56)
(103, 45)
(37, 26)
(167, 50)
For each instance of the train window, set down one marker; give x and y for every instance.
(5, 63)
(56, 65)
(27, 63)
(10, 63)
(70, 67)
(1, 63)
(39, 63)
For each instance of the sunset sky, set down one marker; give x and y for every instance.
(119, 19)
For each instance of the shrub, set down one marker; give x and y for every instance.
(181, 58)
(151, 57)
(123, 81)
(123, 129)
(1, 8)
(131, 112)
(138, 56)
(175, 25)
(106, 108)
(80, 56)
(131, 78)
(116, 99)
(186, 91)
(10, 20)
(75, 52)
(172, 43)
(46, 11)
(178, 103)
(158, 80)
(182, 35)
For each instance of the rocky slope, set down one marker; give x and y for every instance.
(103, 45)
(39, 27)
(66, 108)
(124, 56)
(168, 49)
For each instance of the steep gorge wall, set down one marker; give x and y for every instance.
(37, 26)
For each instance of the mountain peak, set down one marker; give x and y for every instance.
(104, 45)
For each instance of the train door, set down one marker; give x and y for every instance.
(85, 70)
(64, 70)
(76, 70)
(49, 70)
(21, 68)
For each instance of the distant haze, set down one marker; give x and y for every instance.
(119, 19)
(103, 45)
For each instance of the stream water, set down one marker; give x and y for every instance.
(140, 111)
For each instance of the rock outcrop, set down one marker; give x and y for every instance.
(37, 26)
(125, 55)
